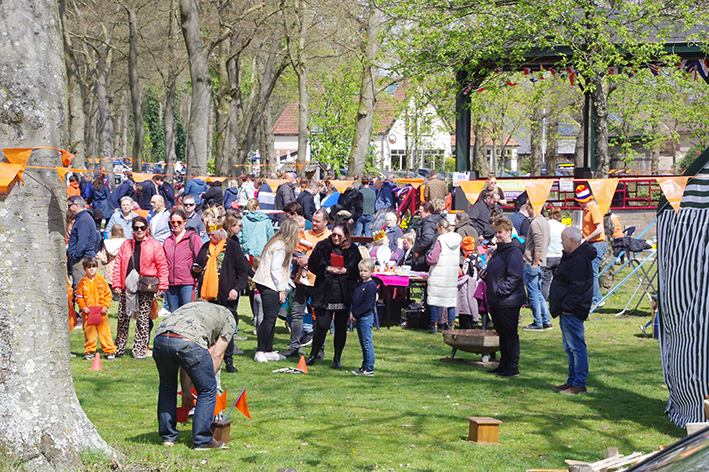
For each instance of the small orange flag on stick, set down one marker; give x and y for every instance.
(221, 403)
(240, 404)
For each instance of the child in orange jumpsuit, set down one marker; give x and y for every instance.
(93, 290)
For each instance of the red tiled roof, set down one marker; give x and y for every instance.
(287, 122)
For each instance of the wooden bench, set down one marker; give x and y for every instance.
(484, 430)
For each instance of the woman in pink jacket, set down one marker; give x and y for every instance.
(140, 256)
(181, 248)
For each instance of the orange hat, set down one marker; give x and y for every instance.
(468, 245)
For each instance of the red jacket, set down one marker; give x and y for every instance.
(152, 262)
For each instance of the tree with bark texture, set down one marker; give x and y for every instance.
(43, 426)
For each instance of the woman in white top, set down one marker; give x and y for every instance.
(271, 279)
(443, 275)
(554, 251)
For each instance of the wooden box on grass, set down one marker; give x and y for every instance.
(484, 430)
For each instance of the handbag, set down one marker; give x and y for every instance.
(146, 284)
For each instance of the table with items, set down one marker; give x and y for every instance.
(390, 280)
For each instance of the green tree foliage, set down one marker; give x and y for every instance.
(154, 150)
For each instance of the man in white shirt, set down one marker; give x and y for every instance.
(159, 219)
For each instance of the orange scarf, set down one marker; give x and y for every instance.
(210, 282)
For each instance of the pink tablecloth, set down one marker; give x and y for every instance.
(392, 280)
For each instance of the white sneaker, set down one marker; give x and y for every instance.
(260, 357)
(274, 356)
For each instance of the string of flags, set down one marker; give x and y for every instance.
(693, 67)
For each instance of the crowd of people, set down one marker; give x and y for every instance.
(290, 249)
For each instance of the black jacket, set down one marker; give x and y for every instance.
(480, 217)
(571, 288)
(233, 274)
(426, 236)
(213, 196)
(317, 263)
(307, 201)
(284, 195)
(352, 201)
(505, 276)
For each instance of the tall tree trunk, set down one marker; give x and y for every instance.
(139, 127)
(236, 166)
(266, 141)
(580, 140)
(221, 156)
(365, 112)
(170, 156)
(301, 69)
(76, 91)
(92, 126)
(198, 124)
(552, 143)
(43, 426)
(537, 128)
(600, 106)
(481, 164)
(105, 53)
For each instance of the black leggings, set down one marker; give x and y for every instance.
(506, 321)
(271, 307)
(322, 326)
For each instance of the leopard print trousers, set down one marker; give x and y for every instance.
(141, 337)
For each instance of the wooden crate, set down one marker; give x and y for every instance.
(484, 430)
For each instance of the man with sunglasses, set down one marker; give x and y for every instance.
(83, 238)
(159, 218)
(194, 218)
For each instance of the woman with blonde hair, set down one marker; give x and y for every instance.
(271, 281)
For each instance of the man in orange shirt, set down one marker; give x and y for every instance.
(302, 291)
(593, 233)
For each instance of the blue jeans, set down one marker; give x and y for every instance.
(362, 227)
(572, 335)
(435, 314)
(170, 354)
(596, 263)
(533, 280)
(364, 331)
(178, 295)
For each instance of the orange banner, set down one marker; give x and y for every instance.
(8, 172)
(141, 176)
(603, 190)
(214, 178)
(673, 188)
(538, 192)
(275, 183)
(472, 189)
(415, 182)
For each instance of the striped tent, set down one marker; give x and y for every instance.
(683, 271)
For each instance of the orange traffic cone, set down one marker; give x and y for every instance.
(302, 366)
(96, 365)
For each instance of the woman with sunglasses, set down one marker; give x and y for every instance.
(334, 262)
(140, 256)
(181, 248)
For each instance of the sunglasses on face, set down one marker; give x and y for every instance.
(190, 204)
(176, 223)
(139, 228)
(339, 236)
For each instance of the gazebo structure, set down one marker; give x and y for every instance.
(693, 58)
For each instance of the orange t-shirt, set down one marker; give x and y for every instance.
(591, 217)
(618, 230)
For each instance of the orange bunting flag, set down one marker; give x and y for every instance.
(415, 182)
(341, 185)
(214, 178)
(240, 405)
(141, 177)
(20, 156)
(66, 157)
(603, 191)
(538, 192)
(8, 172)
(274, 183)
(673, 188)
(472, 189)
(62, 172)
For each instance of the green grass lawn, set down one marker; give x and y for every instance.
(411, 414)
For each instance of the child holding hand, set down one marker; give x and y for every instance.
(362, 313)
(93, 290)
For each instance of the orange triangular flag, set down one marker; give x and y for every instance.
(66, 157)
(8, 172)
(221, 403)
(274, 183)
(302, 365)
(472, 189)
(18, 155)
(538, 192)
(242, 406)
(341, 185)
(62, 172)
(673, 188)
(603, 191)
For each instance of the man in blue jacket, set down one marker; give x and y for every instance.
(570, 297)
(83, 238)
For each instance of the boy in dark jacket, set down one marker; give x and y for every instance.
(364, 303)
(570, 299)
